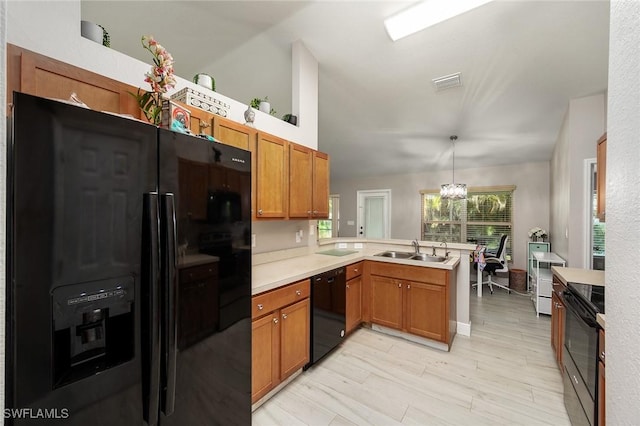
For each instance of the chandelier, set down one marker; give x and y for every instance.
(453, 190)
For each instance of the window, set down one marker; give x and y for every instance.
(328, 228)
(482, 218)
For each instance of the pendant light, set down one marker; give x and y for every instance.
(453, 190)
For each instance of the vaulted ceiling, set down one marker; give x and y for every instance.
(521, 63)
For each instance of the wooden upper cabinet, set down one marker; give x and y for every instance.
(234, 134)
(201, 122)
(272, 184)
(308, 183)
(300, 181)
(601, 171)
(38, 75)
(320, 185)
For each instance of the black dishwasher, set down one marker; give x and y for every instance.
(327, 312)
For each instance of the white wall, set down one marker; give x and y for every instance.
(583, 125)
(52, 28)
(530, 204)
(623, 223)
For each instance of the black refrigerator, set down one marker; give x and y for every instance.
(128, 272)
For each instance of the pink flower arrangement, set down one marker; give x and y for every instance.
(160, 77)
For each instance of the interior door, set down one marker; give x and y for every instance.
(374, 214)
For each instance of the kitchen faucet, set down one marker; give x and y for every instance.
(416, 246)
(446, 251)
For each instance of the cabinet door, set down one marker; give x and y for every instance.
(201, 121)
(320, 185)
(601, 176)
(294, 340)
(557, 327)
(426, 313)
(234, 134)
(265, 355)
(300, 181)
(601, 395)
(386, 302)
(271, 177)
(354, 303)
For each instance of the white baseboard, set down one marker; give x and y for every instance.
(410, 337)
(464, 328)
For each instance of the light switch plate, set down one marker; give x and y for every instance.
(342, 245)
(253, 240)
(312, 229)
(357, 245)
(351, 223)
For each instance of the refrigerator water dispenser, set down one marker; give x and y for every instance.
(93, 328)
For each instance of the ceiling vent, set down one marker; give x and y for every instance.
(447, 82)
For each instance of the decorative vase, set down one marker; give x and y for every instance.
(265, 106)
(540, 239)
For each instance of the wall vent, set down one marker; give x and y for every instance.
(447, 82)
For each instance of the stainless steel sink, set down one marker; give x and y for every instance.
(412, 256)
(428, 258)
(396, 254)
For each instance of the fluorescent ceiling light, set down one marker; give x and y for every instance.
(426, 14)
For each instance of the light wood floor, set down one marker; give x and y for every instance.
(504, 374)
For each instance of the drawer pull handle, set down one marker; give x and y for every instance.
(347, 285)
(408, 286)
(260, 307)
(399, 285)
(298, 293)
(260, 211)
(355, 269)
(275, 320)
(602, 354)
(284, 316)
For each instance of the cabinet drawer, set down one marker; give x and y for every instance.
(412, 273)
(275, 299)
(545, 288)
(538, 247)
(198, 273)
(354, 270)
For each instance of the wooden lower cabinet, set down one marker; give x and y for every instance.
(265, 350)
(404, 299)
(425, 312)
(280, 337)
(558, 312)
(353, 303)
(386, 302)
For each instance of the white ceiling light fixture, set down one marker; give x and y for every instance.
(427, 14)
(453, 190)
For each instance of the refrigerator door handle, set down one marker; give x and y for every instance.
(150, 309)
(170, 303)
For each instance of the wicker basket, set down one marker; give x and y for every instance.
(518, 280)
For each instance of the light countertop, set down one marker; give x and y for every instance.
(601, 320)
(578, 275)
(268, 276)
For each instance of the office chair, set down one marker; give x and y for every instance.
(495, 262)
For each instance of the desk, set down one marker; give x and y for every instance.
(542, 280)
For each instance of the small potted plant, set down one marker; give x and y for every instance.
(290, 118)
(263, 105)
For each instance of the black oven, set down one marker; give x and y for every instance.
(583, 303)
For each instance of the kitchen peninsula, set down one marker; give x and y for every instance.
(273, 270)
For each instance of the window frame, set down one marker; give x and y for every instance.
(463, 221)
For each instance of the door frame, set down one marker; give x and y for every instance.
(386, 214)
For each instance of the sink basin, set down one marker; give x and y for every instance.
(427, 258)
(396, 254)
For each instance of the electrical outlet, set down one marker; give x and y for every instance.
(312, 229)
(342, 245)
(351, 223)
(298, 238)
(253, 240)
(301, 232)
(357, 245)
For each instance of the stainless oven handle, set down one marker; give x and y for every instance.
(577, 309)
